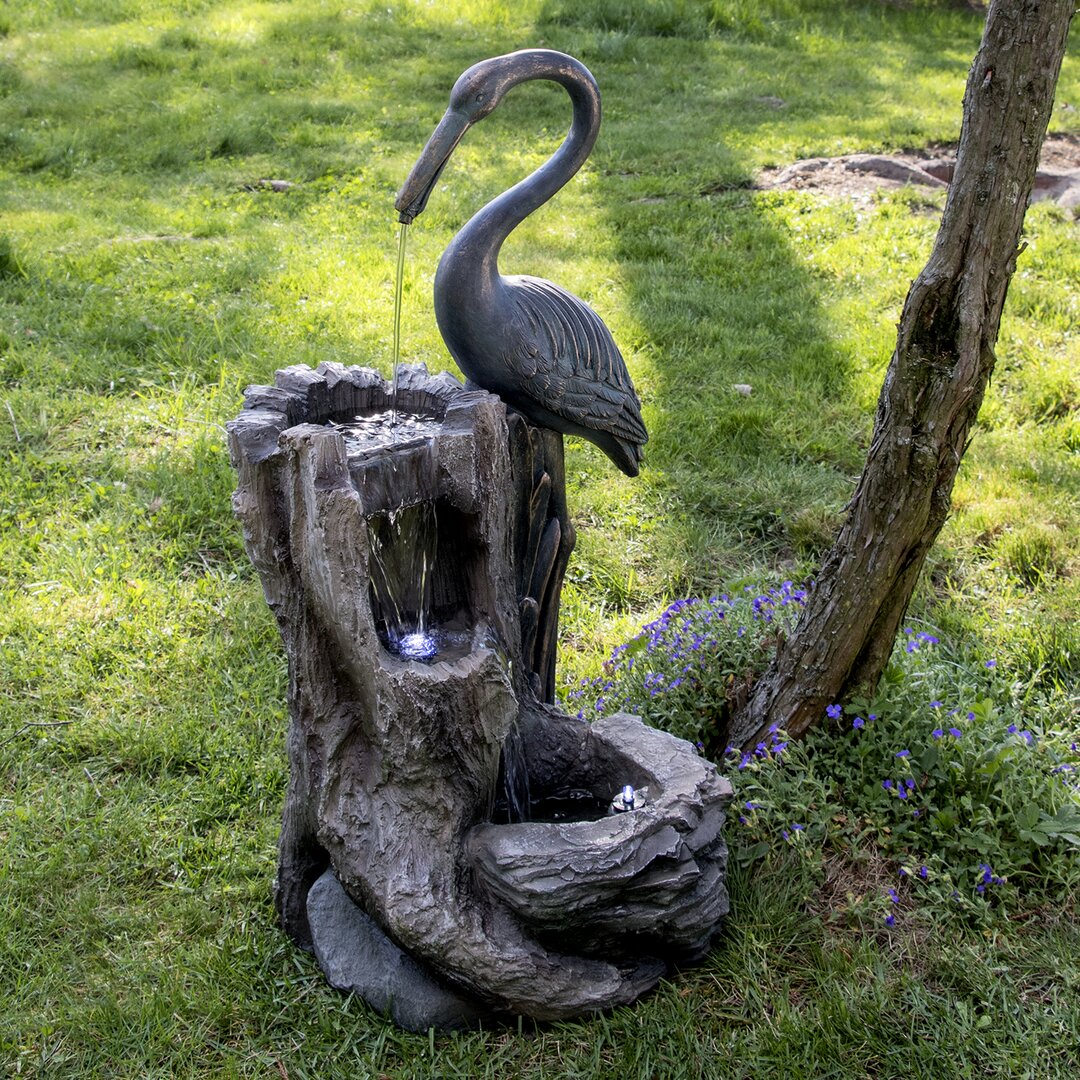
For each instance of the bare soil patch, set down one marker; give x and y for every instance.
(1058, 177)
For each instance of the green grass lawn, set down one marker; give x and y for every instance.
(146, 277)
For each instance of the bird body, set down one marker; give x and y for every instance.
(545, 352)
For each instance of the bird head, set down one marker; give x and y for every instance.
(479, 89)
(476, 93)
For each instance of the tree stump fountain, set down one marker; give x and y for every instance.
(415, 577)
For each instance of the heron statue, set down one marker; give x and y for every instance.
(542, 350)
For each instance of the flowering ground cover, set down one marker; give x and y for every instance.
(194, 194)
(951, 779)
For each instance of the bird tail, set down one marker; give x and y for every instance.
(627, 455)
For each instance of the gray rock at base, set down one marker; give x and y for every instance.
(355, 955)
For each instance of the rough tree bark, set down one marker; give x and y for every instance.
(934, 385)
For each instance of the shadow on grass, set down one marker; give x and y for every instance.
(753, 481)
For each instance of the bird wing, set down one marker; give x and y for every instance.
(569, 362)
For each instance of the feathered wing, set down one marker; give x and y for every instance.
(568, 362)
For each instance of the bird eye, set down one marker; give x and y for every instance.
(480, 98)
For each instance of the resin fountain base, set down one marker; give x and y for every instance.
(402, 864)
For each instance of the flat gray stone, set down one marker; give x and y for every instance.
(891, 168)
(356, 956)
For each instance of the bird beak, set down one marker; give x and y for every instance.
(414, 194)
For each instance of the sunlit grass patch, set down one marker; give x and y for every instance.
(147, 275)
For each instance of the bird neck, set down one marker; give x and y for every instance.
(487, 230)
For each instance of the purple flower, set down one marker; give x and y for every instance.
(923, 872)
(971, 716)
(833, 712)
(909, 783)
(991, 663)
(894, 896)
(886, 784)
(902, 792)
(935, 704)
(902, 753)
(1027, 737)
(937, 733)
(872, 717)
(1011, 729)
(858, 722)
(955, 732)
(890, 919)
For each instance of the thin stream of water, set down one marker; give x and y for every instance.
(403, 549)
(397, 320)
(515, 776)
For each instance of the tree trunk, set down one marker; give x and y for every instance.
(935, 383)
(452, 537)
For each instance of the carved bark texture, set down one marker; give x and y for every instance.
(543, 543)
(935, 382)
(395, 764)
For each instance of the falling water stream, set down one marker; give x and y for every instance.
(515, 772)
(397, 320)
(403, 559)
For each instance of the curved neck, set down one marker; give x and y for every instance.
(489, 227)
